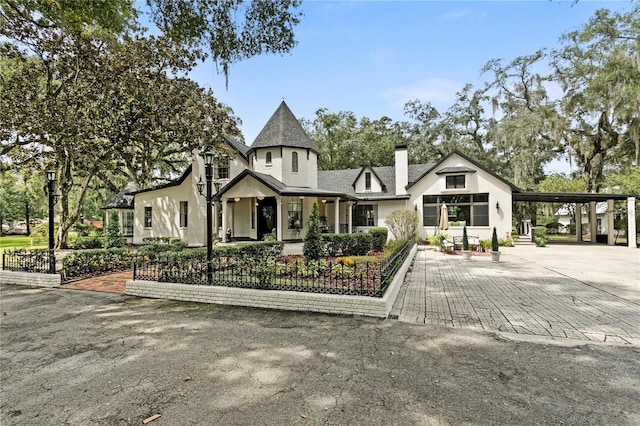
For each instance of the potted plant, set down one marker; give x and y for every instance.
(466, 253)
(495, 246)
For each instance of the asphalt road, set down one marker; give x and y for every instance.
(85, 358)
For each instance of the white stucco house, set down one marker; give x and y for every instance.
(269, 186)
(565, 217)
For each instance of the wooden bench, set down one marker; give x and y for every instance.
(474, 243)
(446, 246)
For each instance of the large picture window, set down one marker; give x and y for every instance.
(184, 214)
(472, 209)
(365, 215)
(147, 217)
(294, 212)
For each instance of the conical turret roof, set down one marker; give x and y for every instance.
(284, 129)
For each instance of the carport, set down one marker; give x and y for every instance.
(580, 199)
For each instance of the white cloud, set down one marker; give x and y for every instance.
(440, 92)
(458, 14)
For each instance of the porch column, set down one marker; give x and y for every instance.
(224, 219)
(337, 216)
(350, 230)
(593, 222)
(631, 217)
(578, 213)
(279, 222)
(610, 223)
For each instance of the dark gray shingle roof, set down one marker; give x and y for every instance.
(124, 200)
(283, 129)
(342, 180)
(240, 147)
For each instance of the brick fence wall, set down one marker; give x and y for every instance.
(276, 299)
(29, 278)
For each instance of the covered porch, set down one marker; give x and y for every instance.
(254, 205)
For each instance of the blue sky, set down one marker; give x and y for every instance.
(370, 57)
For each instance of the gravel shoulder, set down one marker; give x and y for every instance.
(78, 357)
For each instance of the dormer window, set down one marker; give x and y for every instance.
(455, 182)
(268, 160)
(367, 181)
(294, 162)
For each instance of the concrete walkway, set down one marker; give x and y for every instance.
(589, 293)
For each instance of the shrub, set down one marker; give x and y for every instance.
(505, 242)
(83, 229)
(541, 231)
(515, 234)
(95, 261)
(541, 241)
(485, 245)
(114, 238)
(313, 247)
(379, 238)
(402, 224)
(552, 227)
(89, 242)
(269, 238)
(494, 240)
(465, 239)
(436, 240)
(347, 244)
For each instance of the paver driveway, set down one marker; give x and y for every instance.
(513, 296)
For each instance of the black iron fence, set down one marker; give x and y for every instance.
(337, 276)
(28, 261)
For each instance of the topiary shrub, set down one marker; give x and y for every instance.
(313, 248)
(465, 239)
(114, 238)
(495, 244)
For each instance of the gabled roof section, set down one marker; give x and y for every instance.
(280, 188)
(124, 200)
(363, 170)
(176, 182)
(472, 161)
(283, 129)
(239, 147)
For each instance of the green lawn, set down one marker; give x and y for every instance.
(12, 242)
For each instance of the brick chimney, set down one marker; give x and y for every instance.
(401, 169)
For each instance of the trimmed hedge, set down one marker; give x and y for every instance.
(380, 236)
(347, 244)
(92, 262)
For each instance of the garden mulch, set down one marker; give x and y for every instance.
(112, 283)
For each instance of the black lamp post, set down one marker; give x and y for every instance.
(53, 198)
(208, 163)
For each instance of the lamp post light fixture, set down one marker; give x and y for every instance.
(208, 169)
(53, 198)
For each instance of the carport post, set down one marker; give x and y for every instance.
(631, 217)
(593, 222)
(610, 223)
(578, 213)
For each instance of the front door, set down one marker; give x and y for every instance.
(267, 217)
